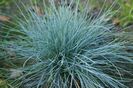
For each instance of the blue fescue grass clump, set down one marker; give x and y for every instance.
(69, 49)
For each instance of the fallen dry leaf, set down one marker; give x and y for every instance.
(4, 18)
(116, 21)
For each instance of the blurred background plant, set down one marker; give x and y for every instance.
(124, 15)
(126, 12)
(3, 84)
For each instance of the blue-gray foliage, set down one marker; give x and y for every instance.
(70, 49)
